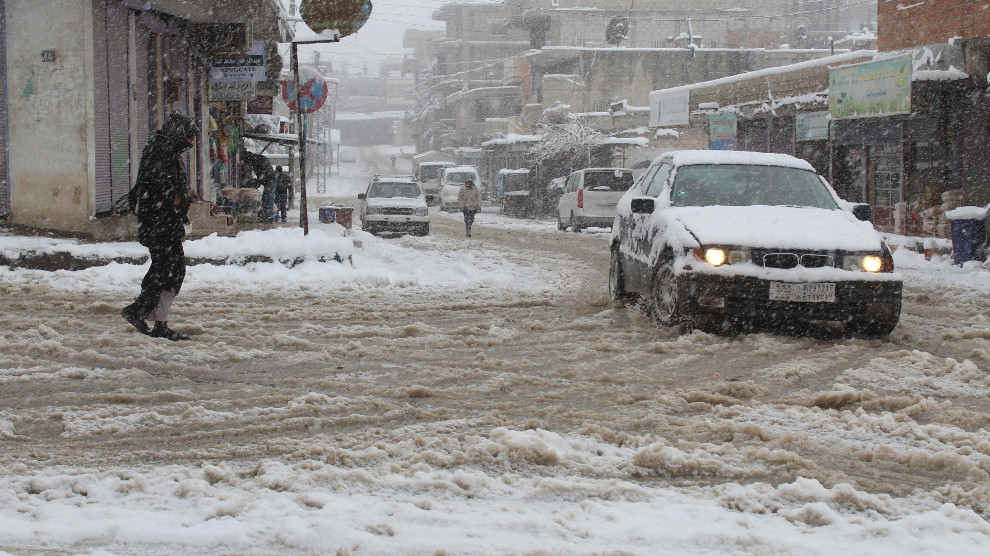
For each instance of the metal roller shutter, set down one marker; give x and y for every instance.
(4, 181)
(111, 98)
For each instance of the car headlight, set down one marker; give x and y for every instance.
(423, 211)
(718, 256)
(865, 263)
(374, 210)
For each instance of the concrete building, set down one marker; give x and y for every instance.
(84, 84)
(679, 23)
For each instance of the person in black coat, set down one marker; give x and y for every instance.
(161, 197)
(265, 172)
(283, 185)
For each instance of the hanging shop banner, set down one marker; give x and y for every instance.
(222, 92)
(346, 16)
(722, 131)
(870, 89)
(313, 91)
(811, 126)
(239, 69)
(667, 109)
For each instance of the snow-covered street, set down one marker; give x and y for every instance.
(452, 395)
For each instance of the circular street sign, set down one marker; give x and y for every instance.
(346, 16)
(312, 91)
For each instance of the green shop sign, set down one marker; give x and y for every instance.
(870, 89)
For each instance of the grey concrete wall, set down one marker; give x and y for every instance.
(50, 113)
(631, 74)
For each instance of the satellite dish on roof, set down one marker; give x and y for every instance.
(797, 30)
(617, 30)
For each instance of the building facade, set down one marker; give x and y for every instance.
(79, 104)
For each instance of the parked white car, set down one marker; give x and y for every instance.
(590, 197)
(394, 204)
(715, 236)
(450, 185)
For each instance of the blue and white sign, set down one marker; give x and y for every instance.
(811, 126)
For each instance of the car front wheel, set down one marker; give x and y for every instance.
(663, 303)
(560, 223)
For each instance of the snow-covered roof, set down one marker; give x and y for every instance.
(836, 60)
(512, 139)
(685, 158)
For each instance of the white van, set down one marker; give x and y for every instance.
(428, 175)
(450, 185)
(590, 196)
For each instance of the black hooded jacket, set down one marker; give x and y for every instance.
(161, 178)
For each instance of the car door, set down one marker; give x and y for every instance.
(641, 232)
(566, 204)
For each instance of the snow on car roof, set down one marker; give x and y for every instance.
(685, 158)
(462, 169)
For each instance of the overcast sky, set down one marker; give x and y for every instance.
(381, 38)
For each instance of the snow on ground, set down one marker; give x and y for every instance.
(464, 397)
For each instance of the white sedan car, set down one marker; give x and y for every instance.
(394, 205)
(716, 236)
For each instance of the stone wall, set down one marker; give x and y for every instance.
(907, 24)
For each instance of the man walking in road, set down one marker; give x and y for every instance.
(161, 198)
(469, 197)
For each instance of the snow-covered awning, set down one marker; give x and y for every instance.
(512, 139)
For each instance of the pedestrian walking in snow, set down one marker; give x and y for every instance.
(393, 161)
(161, 199)
(469, 197)
(283, 183)
(265, 173)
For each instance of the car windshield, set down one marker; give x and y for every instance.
(394, 189)
(459, 177)
(429, 172)
(609, 180)
(743, 185)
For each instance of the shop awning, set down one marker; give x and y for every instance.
(287, 139)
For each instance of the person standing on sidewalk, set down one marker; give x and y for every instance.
(265, 173)
(161, 198)
(469, 197)
(283, 183)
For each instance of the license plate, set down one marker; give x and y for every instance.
(807, 293)
(607, 205)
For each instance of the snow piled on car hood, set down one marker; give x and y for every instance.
(777, 227)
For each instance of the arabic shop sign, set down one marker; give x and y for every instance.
(240, 69)
(346, 16)
(870, 89)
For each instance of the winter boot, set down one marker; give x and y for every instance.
(131, 316)
(161, 330)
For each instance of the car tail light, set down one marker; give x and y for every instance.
(580, 198)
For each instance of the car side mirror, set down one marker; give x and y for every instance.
(361, 196)
(863, 211)
(643, 205)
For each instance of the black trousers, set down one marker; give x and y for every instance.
(167, 271)
(469, 218)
